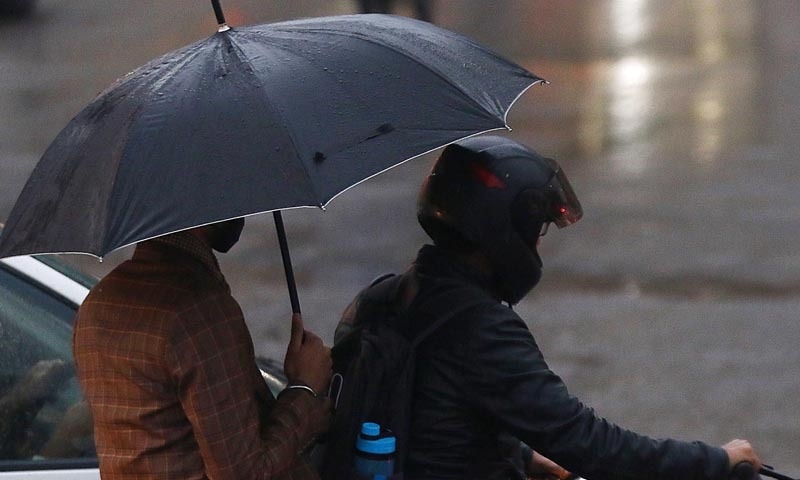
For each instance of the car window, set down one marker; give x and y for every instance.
(60, 266)
(42, 413)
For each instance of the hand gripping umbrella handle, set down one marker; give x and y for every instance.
(287, 262)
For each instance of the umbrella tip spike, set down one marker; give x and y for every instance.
(322, 207)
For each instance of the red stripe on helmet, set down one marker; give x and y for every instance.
(487, 178)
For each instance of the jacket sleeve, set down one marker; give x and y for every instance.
(508, 379)
(215, 372)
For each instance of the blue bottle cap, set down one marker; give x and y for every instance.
(370, 440)
(370, 429)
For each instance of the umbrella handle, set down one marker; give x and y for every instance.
(287, 261)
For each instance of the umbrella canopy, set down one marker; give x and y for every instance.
(253, 120)
(256, 119)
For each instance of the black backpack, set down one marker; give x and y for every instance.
(374, 366)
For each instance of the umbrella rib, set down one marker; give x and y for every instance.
(151, 65)
(191, 52)
(265, 99)
(412, 158)
(430, 68)
(506, 108)
(538, 81)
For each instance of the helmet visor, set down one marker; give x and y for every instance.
(565, 209)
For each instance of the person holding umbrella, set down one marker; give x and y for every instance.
(168, 368)
(481, 383)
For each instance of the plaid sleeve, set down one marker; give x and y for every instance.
(213, 368)
(300, 415)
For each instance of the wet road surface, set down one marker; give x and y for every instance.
(672, 307)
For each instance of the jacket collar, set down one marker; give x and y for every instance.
(436, 262)
(183, 244)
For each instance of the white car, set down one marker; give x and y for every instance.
(45, 427)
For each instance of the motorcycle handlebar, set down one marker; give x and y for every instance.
(746, 471)
(743, 471)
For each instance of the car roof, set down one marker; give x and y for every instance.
(53, 274)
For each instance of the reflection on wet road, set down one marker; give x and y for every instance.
(671, 307)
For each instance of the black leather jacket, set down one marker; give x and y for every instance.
(483, 385)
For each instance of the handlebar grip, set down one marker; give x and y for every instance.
(744, 471)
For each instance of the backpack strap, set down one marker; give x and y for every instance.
(447, 300)
(375, 303)
(378, 301)
(384, 289)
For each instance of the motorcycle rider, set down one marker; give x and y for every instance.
(482, 384)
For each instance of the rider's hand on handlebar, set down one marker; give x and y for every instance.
(741, 451)
(541, 467)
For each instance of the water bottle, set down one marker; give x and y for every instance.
(375, 450)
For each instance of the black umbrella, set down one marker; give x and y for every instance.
(256, 119)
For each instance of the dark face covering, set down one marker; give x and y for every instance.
(224, 235)
(516, 275)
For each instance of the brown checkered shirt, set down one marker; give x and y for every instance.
(167, 365)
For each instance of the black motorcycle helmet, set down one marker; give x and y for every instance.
(496, 196)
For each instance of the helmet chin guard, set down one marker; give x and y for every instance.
(494, 195)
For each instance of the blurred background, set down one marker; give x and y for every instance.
(671, 308)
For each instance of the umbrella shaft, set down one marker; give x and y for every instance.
(218, 11)
(287, 261)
